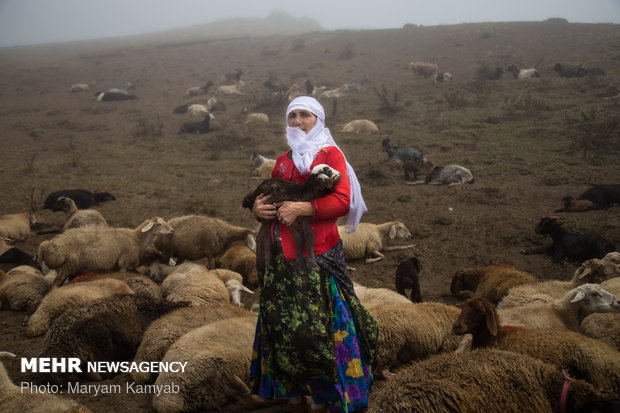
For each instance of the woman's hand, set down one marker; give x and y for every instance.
(263, 209)
(288, 211)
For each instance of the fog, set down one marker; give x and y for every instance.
(25, 22)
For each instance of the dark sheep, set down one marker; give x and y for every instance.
(198, 127)
(114, 96)
(182, 108)
(566, 246)
(83, 198)
(602, 196)
(576, 71)
(406, 278)
(399, 153)
(321, 179)
(18, 257)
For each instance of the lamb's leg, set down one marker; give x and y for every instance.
(264, 254)
(309, 238)
(377, 257)
(298, 237)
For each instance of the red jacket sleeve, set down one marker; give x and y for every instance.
(336, 203)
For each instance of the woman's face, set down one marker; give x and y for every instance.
(302, 119)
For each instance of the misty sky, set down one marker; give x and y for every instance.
(44, 21)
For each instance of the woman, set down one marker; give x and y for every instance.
(313, 337)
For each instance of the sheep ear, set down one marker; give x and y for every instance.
(579, 296)
(490, 318)
(584, 273)
(148, 226)
(251, 242)
(392, 234)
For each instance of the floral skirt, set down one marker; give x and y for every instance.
(313, 337)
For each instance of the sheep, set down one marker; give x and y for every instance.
(441, 77)
(565, 313)
(587, 358)
(232, 76)
(83, 198)
(16, 227)
(22, 288)
(487, 381)
(81, 87)
(571, 204)
(423, 69)
(491, 282)
(241, 259)
(406, 278)
(218, 358)
(262, 166)
(199, 236)
(214, 105)
(591, 271)
(62, 299)
(412, 332)
(486, 73)
(198, 90)
(99, 249)
(294, 91)
(334, 93)
(253, 117)
(113, 96)
(107, 329)
(18, 399)
(139, 283)
(231, 89)
(522, 73)
(359, 87)
(367, 242)
(612, 257)
(76, 218)
(164, 331)
(360, 126)
(377, 297)
(411, 168)
(605, 327)
(311, 90)
(447, 175)
(203, 126)
(596, 197)
(322, 177)
(399, 153)
(196, 109)
(567, 246)
(14, 255)
(127, 87)
(576, 71)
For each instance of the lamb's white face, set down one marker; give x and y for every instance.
(326, 173)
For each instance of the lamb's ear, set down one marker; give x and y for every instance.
(392, 234)
(491, 320)
(579, 296)
(587, 271)
(148, 226)
(250, 241)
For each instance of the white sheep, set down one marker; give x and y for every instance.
(334, 93)
(22, 288)
(441, 77)
(198, 90)
(15, 227)
(360, 126)
(231, 89)
(197, 110)
(199, 236)
(367, 241)
(447, 175)
(605, 327)
(254, 118)
(262, 166)
(376, 297)
(62, 299)
(565, 313)
(139, 283)
(522, 73)
(16, 399)
(167, 329)
(75, 218)
(218, 359)
(423, 69)
(99, 249)
(81, 87)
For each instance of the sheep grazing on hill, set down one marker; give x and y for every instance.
(491, 282)
(113, 96)
(81, 87)
(218, 359)
(107, 329)
(254, 118)
(368, 241)
(361, 86)
(423, 69)
(567, 246)
(522, 73)
(412, 332)
(196, 109)
(576, 71)
(83, 198)
(99, 249)
(164, 331)
(16, 227)
(360, 126)
(231, 90)
(203, 126)
(447, 175)
(241, 259)
(596, 197)
(441, 77)
(75, 218)
(22, 288)
(487, 381)
(19, 399)
(565, 313)
(198, 90)
(199, 236)
(407, 278)
(262, 166)
(590, 359)
(400, 153)
(62, 299)
(334, 93)
(322, 177)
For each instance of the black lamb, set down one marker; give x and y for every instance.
(566, 246)
(198, 127)
(83, 198)
(321, 179)
(406, 278)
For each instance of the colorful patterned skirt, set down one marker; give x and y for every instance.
(313, 337)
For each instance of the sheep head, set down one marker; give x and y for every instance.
(476, 314)
(326, 174)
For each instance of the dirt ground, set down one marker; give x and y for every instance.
(516, 136)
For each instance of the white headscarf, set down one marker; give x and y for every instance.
(305, 147)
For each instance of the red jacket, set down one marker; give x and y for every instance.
(327, 209)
